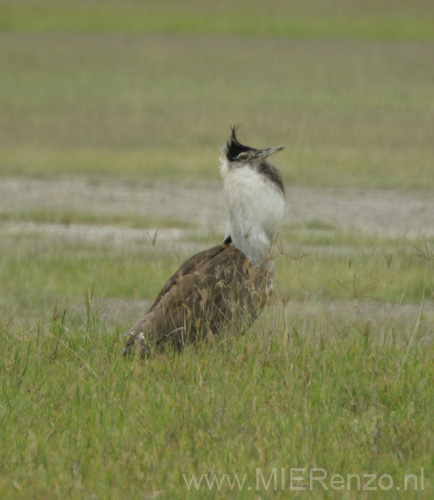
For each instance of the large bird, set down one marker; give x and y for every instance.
(221, 291)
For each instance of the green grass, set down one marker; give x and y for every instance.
(315, 383)
(340, 265)
(347, 19)
(67, 217)
(337, 373)
(80, 422)
(113, 101)
(38, 271)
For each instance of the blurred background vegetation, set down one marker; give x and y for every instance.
(101, 98)
(145, 90)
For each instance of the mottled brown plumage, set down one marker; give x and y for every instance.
(216, 292)
(222, 290)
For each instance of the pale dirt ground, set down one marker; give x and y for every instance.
(409, 214)
(339, 314)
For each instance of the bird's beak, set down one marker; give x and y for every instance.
(265, 153)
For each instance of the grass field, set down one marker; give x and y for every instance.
(337, 373)
(99, 100)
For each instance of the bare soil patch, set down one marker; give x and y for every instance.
(409, 214)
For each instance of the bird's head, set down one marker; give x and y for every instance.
(238, 155)
(236, 152)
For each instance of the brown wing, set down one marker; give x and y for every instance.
(216, 291)
(193, 264)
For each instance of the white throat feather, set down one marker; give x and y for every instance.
(255, 205)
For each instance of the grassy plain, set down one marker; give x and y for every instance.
(112, 102)
(336, 374)
(338, 371)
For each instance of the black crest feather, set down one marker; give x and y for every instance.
(233, 147)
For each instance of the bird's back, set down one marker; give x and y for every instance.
(216, 292)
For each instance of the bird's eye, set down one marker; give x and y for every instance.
(242, 156)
